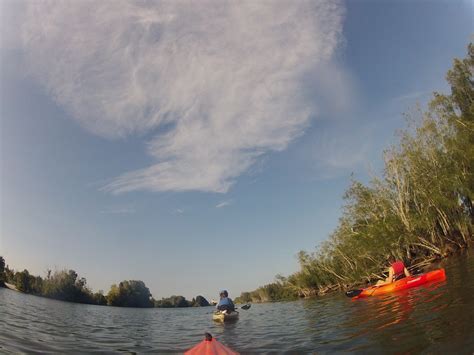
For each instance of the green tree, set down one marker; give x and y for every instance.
(178, 301)
(200, 301)
(130, 293)
(9, 275)
(243, 298)
(99, 298)
(22, 281)
(2, 272)
(163, 303)
(419, 209)
(65, 285)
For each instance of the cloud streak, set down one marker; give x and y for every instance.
(412, 96)
(215, 84)
(178, 211)
(118, 210)
(224, 204)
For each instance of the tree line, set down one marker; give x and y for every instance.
(419, 209)
(66, 285)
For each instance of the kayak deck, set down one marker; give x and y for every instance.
(210, 346)
(405, 283)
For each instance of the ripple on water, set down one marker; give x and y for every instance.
(435, 318)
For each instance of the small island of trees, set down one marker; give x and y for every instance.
(66, 285)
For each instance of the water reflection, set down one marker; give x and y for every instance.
(437, 318)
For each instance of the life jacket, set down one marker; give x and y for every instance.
(225, 304)
(398, 268)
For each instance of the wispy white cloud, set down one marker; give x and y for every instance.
(224, 204)
(118, 210)
(342, 147)
(336, 149)
(178, 211)
(218, 83)
(412, 96)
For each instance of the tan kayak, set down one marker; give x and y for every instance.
(225, 317)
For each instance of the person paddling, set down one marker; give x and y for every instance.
(396, 271)
(225, 303)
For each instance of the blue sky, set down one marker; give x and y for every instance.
(201, 146)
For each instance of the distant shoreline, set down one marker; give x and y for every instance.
(67, 285)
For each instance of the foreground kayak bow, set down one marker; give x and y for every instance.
(403, 284)
(210, 346)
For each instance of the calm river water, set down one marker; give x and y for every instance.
(438, 318)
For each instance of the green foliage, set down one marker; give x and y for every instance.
(99, 298)
(421, 208)
(173, 302)
(66, 286)
(22, 281)
(131, 293)
(62, 285)
(180, 301)
(275, 291)
(9, 275)
(2, 271)
(200, 301)
(25, 282)
(164, 303)
(243, 298)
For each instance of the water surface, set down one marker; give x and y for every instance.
(437, 318)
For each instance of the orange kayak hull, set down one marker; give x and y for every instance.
(210, 347)
(403, 284)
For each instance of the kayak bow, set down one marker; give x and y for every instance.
(210, 346)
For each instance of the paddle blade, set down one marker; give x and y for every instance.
(353, 293)
(245, 306)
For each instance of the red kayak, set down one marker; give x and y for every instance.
(403, 284)
(210, 346)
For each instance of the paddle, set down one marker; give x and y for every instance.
(353, 293)
(244, 307)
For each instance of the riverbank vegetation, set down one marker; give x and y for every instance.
(180, 301)
(66, 285)
(419, 209)
(2, 272)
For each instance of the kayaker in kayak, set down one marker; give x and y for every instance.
(225, 303)
(396, 271)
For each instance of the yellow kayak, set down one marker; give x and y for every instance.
(225, 317)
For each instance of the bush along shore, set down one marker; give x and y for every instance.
(419, 210)
(66, 285)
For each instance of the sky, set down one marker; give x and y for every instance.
(198, 146)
